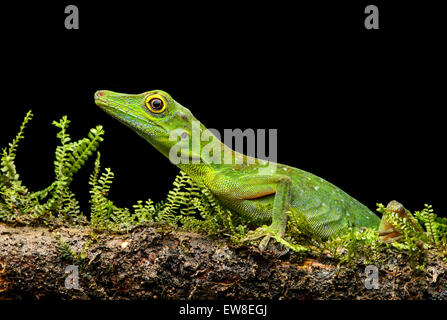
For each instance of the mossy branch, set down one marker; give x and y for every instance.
(189, 206)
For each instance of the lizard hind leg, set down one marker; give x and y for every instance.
(387, 231)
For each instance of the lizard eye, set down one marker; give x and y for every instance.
(156, 103)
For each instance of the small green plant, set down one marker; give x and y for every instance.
(358, 244)
(436, 227)
(70, 255)
(13, 193)
(104, 214)
(55, 202)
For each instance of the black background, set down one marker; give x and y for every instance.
(360, 108)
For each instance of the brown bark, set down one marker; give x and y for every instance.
(147, 263)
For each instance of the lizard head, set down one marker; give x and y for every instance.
(154, 115)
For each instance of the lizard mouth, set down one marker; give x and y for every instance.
(109, 107)
(100, 100)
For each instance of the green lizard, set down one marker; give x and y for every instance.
(261, 191)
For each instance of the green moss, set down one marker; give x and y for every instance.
(56, 202)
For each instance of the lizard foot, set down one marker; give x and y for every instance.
(267, 232)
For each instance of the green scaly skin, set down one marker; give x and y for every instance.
(257, 191)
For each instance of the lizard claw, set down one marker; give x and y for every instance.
(264, 242)
(264, 232)
(256, 234)
(267, 233)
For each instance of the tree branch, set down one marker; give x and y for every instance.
(156, 264)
